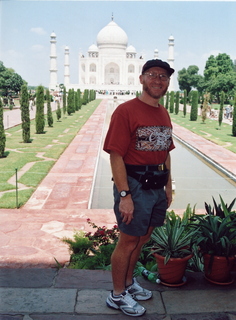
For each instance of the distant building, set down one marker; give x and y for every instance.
(111, 65)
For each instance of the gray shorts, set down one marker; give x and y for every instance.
(149, 209)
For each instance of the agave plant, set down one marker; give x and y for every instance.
(215, 235)
(222, 210)
(174, 238)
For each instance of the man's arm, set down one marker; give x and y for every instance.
(119, 174)
(168, 187)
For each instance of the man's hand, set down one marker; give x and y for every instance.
(126, 208)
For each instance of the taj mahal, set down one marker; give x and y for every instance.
(110, 66)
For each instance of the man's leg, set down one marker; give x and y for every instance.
(135, 256)
(120, 261)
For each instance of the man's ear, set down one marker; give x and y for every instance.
(141, 78)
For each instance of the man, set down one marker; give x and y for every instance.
(139, 140)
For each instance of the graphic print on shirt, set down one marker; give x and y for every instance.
(153, 138)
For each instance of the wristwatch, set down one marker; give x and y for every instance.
(124, 193)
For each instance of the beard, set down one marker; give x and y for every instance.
(152, 93)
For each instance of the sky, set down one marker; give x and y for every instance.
(200, 29)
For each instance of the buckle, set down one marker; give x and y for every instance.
(161, 167)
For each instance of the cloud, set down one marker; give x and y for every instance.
(39, 31)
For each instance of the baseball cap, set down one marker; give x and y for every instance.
(157, 63)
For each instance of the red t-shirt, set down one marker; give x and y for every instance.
(140, 133)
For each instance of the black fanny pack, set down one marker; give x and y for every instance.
(150, 179)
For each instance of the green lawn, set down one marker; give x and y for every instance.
(209, 130)
(38, 156)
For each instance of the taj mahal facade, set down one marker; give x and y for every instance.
(110, 66)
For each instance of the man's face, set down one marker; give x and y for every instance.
(155, 82)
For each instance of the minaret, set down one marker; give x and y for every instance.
(171, 61)
(53, 63)
(67, 68)
(156, 54)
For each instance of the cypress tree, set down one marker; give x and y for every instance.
(70, 102)
(167, 100)
(234, 118)
(25, 114)
(185, 103)
(161, 101)
(58, 112)
(194, 106)
(222, 100)
(172, 101)
(79, 99)
(177, 102)
(49, 109)
(39, 119)
(2, 132)
(64, 100)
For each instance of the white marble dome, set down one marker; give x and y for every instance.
(93, 48)
(131, 49)
(112, 35)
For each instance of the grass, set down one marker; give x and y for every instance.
(38, 157)
(209, 130)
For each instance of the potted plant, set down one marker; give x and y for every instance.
(172, 247)
(216, 238)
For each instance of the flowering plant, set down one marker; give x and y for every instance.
(103, 235)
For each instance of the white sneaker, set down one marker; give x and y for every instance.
(137, 292)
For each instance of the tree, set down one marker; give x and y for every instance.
(64, 100)
(70, 102)
(9, 80)
(58, 112)
(172, 101)
(189, 79)
(205, 106)
(185, 103)
(234, 118)
(222, 100)
(167, 100)
(25, 114)
(220, 75)
(39, 119)
(194, 106)
(79, 99)
(177, 102)
(2, 132)
(49, 109)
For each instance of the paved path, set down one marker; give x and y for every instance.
(30, 289)
(49, 294)
(31, 236)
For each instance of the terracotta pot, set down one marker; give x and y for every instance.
(220, 269)
(174, 270)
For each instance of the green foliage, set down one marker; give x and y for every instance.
(222, 100)
(49, 109)
(70, 102)
(174, 238)
(216, 231)
(64, 101)
(167, 100)
(219, 75)
(92, 250)
(58, 112)
(172, 101)
(177, 102)
(234, 118)
(39, 120)
(25, 114)
(10, 81)
(185, 103)
(190, 79)
(194, 106)
(2, 132)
